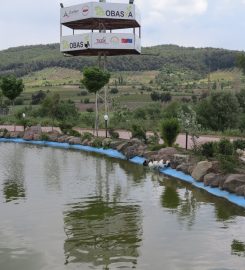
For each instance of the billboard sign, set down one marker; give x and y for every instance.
(101, 41)
(99, 10)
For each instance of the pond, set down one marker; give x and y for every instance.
(65, 209)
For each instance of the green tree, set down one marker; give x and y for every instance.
(11, 87)
(50, 107)
(189, 124)
(219, 111)
(170, 129)
(241, 62)
(94, 79)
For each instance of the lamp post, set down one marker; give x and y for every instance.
(24, 122)
(106, 117)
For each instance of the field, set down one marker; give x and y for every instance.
(134, 88)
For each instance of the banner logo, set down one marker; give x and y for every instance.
(127, 40)
(85, 10)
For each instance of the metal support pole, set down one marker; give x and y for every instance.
(186, 140)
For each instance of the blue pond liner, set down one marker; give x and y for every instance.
(238, 200)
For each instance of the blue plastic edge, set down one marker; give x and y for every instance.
(238, 200)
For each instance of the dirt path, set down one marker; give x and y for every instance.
(181, 140)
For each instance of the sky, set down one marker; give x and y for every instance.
(193, 23)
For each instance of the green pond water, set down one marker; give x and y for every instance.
(65, 209)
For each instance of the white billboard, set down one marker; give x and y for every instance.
(99, 10)
(103, 41)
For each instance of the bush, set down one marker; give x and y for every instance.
(170, 129)
(138, 132)
(228, 163)
(19, 101)
(114, 91)
(97, 142)
(113, 134)
(209, 149)
(239, 144)
(90, 110)
(153, 139)
(86, 101)
(225, 147)
(38, 97)
(65, 126)
(83, 93)
(157, 147)
(72, 132)
(86, 136)
(44, 137)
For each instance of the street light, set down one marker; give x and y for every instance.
(131, 1)
(61, 5)
(106, 117)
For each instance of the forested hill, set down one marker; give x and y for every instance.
(25, 59)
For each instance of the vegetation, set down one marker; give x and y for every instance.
(25, 59)
(170, 129)
(11, 87)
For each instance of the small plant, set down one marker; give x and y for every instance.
(86, 101)
(239, 144)
(90, 110)
(97, 142)
(209, 149)
(113, 134)
(156, 147)
(44, 137)
(86, 136)
(84, 93)
(114, 90)
(225, 147)
(72, 132)
(228, 163)
(170, 129)
(138, 132)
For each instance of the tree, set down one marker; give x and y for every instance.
(241, 62)
(219, 111)
(94, 79)
(170, 129)
(189, 124)
(12, 87)
(50, 106)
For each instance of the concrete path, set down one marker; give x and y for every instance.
(181, 140)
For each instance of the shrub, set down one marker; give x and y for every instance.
(90, 110)
(153, 139)
(44, 137)
(208, 149)
(86, 136)
(225, 147)
(114, 91)
(84, 93)
(227, 163)
(239, 144)
(19, 101)
(86, 101)
(138, 132)
(113, 134)
(157, 147)
(73, 132)
(170, 129)
(97, 142)
(65, 126)
(38, 97)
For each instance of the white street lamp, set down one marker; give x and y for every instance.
(106, 118)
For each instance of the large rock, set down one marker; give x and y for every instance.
(214, 180)
(134, 150)
(31, 131)
(233, 182)
(240, 191)
(75, 140)
(184, 167)
(166, 153)
(202, 168)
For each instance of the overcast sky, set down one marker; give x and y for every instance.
(198, 23)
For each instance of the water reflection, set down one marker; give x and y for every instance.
(238, 248)
(13, 179)
(102, 233)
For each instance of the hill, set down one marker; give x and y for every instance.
(25, 59)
